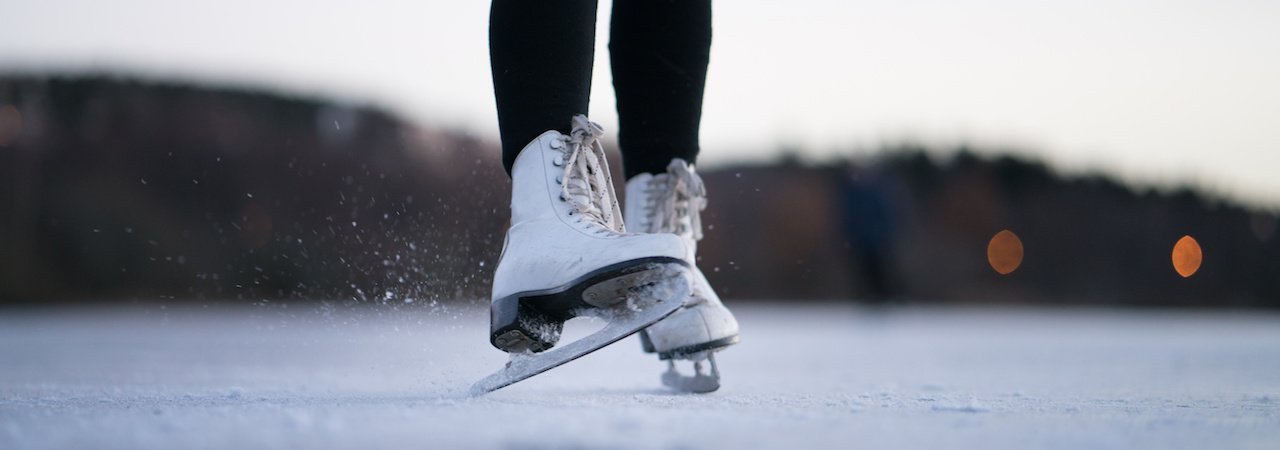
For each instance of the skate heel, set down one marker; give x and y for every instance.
(516, 327)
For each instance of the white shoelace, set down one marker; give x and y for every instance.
(678, 194)
(586, 183)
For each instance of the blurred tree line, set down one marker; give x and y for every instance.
(125, 190)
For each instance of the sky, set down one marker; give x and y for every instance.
(1162, 93)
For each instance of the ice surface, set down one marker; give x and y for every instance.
(803, 376)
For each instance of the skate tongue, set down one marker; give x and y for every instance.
(584, 128)
(683, 195)
(587, 183)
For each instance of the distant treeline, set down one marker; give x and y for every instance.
(906, 226)
(124, 190)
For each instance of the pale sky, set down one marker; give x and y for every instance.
(1159, 92)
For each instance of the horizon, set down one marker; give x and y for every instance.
(1162, 95)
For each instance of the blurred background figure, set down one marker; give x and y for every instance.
(872, 226)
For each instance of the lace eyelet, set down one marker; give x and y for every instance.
(563, 199)
(559, 161)
(559, 179)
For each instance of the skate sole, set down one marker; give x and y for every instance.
(647, 344)
(638, 313)
(531, 321)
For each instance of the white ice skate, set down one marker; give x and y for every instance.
(566, 255)
(672, 203)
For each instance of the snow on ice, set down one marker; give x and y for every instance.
(805, 376)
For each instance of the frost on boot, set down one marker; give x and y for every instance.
(671, 203)
(566, 254)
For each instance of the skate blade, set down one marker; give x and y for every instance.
(624, 320)
(698, 383)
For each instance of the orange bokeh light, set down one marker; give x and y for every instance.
(1187, 256)
(1004, 252)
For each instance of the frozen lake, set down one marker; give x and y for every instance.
(804, 376)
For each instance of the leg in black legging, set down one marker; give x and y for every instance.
(659, 51)
(541, 53)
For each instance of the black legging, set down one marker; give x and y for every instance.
(541, 52)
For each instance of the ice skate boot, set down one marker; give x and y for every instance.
(566, 255)
(671, 202)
